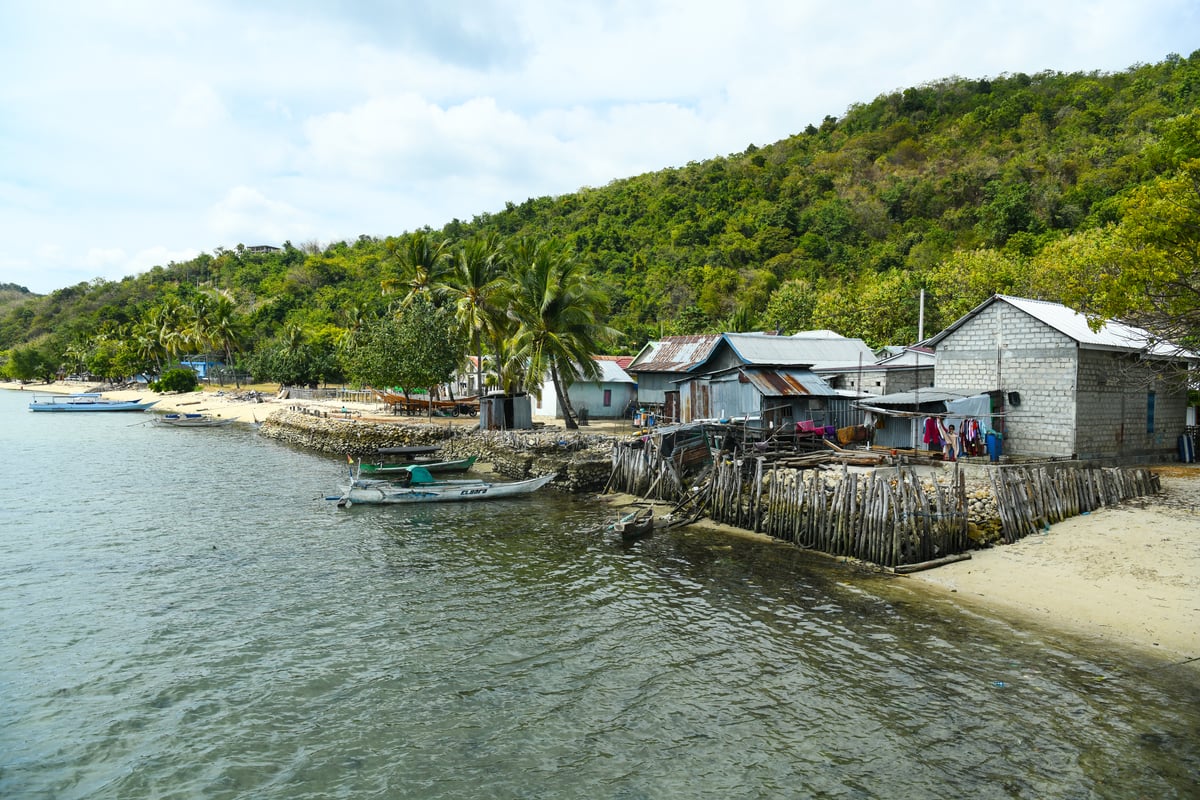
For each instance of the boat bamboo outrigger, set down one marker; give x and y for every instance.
(192, 421)
(86, 401)
(421, 487)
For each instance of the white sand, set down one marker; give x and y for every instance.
(1127, 575)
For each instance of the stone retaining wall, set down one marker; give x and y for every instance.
(581, 461)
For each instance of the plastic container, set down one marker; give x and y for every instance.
(994, 446)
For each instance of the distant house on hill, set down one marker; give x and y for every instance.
(1061, 389)
(262, 248)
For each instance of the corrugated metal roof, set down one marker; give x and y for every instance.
(929, 395)
(779, 382)
(610, 372)
(814, 351)
(1112, 335)
(620, 361)
(675, 354)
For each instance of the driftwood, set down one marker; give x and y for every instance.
(905, 569)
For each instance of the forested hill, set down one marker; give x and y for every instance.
(962, 187)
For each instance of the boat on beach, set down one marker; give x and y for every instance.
(192, 421)
(422, 487)
(86, 401)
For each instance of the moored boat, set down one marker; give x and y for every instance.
(421, 487)
(86, 401)
(635, 524)
(192, 421)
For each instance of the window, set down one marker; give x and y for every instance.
(607, 398)
(1150, 412)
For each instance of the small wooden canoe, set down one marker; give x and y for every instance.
(635, 524)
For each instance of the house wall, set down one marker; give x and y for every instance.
(882, 381)
(653, 386)
(1004, 348)
(590, 396)
(1113, 409)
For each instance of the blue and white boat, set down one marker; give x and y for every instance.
(86, 401)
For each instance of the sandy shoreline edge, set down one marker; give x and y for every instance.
(1129, 576)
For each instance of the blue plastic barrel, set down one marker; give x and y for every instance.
(993, 446)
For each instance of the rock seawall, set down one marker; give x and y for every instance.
(582, 461)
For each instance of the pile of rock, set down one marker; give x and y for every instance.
(581, 460)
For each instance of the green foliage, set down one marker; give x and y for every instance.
(961, 186)
(175, 380)
(31, 361)
(420, 348)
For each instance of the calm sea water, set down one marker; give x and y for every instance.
(182, 615)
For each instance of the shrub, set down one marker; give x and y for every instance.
(175, 380)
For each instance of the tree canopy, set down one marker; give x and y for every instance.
(1073, 187)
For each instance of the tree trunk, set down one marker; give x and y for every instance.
(563, 402)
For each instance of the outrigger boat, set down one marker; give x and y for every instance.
(421, 487)
(192, 421)
(382, 470)
(86, 401)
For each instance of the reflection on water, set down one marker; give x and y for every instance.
(182, 615)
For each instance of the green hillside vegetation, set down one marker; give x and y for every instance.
(1082, 188)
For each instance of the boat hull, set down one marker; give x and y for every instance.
(87, 402)
(192, 421)
(385, 493)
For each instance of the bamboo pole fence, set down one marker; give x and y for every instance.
(888, 516)
(1030, 499)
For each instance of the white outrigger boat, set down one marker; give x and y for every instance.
(86, 401)
(422, 488)
(192, 421)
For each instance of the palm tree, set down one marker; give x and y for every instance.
(224, 328)
(421, 259)
(167, 318)
(555, 308)
(472, 283)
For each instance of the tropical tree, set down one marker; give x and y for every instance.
(1149, 274)
(472, 285)
(421, 347)
(556, 310)
(421, 259)
(224, 328)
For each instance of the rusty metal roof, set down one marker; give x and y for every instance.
(778, 382)
(675, 354)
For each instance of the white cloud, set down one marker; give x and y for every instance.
(245, 214)
(123, 121)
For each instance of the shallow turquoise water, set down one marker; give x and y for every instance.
(183, 615)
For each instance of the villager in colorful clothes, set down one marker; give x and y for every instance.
(949, 441)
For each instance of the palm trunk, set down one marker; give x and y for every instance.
(563, 401)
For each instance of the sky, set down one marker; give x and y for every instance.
(141, 132)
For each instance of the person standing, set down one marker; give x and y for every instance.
(949, 441)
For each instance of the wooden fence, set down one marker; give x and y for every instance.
(1032, 498)
(889, 517)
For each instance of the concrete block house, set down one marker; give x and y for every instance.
(1061, 389)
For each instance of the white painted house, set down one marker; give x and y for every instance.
(611, 396)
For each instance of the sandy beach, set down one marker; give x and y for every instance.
(1129, 576)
